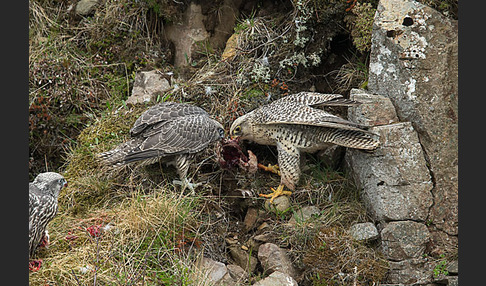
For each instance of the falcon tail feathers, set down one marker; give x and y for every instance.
(355, 139)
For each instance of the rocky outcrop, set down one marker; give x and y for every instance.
(409, 184)
(414, 62)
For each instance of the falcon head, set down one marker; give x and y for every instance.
(242, 128)
(219, 134)
(50, 183)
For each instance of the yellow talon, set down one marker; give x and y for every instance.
(270, 168)
(275, 193)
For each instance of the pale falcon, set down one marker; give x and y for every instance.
(294, 125)
(43, 195)
(170, 132)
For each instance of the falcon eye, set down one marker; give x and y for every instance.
(237, 129)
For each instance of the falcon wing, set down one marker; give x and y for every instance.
(163, 112)
(34, 205)
(319, 99)
(189, 134)
(282, 112)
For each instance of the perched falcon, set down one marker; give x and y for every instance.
(294, 125)
(170, 132)
(43, 194)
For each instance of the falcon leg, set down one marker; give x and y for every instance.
(270, 168)
(182, 164)
(278, 192)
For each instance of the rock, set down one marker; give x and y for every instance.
(280, 204)
(395, 180)
(414, 271)
(147, 86)
(364, 231)
(331, 156)
(86, 7)
(414, 61)
(186, 34)
(238, 274)
(404, 239)
(304, 214)
(453, 267)
(277, 278)
(274, 258)
(375, 109)
(216, 270)
(251, 219)
(452, 280)
(243, 258)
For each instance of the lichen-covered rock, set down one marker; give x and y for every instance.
(86, 7)
(402, 240)
(414, 271)
(364, 231)
(147, 86)
(414, 61)
(375, 109)
(394, 179)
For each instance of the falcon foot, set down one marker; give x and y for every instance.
(186, 184)
(270, 168)
(278, 192)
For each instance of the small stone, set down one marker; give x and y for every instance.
(250, 220)
(364, 231)
(263, 226)
(280, 204)
(452, 280)
(243, 258)
(277, 278)
(244, 247)
(216, 269)
(147, 86)
(274, 258)
(86, 7)
(237, 273)
(453, 267)
(304, 214)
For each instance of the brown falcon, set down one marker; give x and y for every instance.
(43, 194)
(169, 132)
(295, 125)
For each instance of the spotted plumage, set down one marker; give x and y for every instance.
(294, 124)
(43, 195)
(170, 132)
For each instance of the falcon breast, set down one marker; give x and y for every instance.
(43, 196)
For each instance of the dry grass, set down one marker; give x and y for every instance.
(145, 239)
